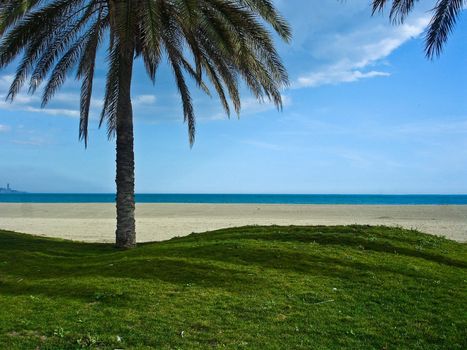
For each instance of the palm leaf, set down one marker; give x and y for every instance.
(445, 14)
(441, 25)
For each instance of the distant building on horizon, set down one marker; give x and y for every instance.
(8, 189)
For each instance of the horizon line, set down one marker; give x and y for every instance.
(243, 193)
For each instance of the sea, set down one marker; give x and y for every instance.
(333, 199)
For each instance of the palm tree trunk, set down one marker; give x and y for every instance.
(125, 178)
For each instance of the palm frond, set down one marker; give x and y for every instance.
(35, 43)
(399, 9)
(227, 41)
(253, 51)
(267, 11)
(150, 32)
(188, 112)
(109, 110)
(86, 71)
(441, 25)
(61, 42)
(61, 69)
(445, 14)
(172, 39)
(37, 26)
(13, 10)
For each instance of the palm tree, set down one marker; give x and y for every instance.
(445, 14)
(223, 40)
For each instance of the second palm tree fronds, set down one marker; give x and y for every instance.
(445, 15)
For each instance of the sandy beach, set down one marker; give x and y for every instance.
(156, 222)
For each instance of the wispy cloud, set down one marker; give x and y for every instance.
(25, 107)
(363, 158)
(352, 56)
(4, 128)
(54, 111)
(5, 81)
(432, 127)
(250, 106)
(335, 75)
(144, 100)
(263, 145)
(31, 103)
(31, 142)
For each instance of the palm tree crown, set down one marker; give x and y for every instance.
(223, 40)
(226, 39)
(445, 14)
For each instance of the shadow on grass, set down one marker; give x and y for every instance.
(89, 281)
(24, 243)
(308, 263)
(234, 259)
(355, 237)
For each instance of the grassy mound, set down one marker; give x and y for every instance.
(273, 287)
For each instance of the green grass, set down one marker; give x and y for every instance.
(355, 287)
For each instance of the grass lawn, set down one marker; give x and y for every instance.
(355, 287)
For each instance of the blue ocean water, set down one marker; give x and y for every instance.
(367, 199)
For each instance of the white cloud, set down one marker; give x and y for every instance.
(67, 102)
(66, 97)
(144, 100)
(349, 54)
(26, 99)
(31, 142)
(448, 126)
(50, 111)
(252, 105)
(213, 117)
(5, 81)
(249, 106)
(361, 158)
(74, 99)
(53, 111)
(335, 75)
(263, 145)
(4, 128)
(28, 103)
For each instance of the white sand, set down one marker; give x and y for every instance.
(155, 222)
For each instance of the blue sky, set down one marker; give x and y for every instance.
(365, 113)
